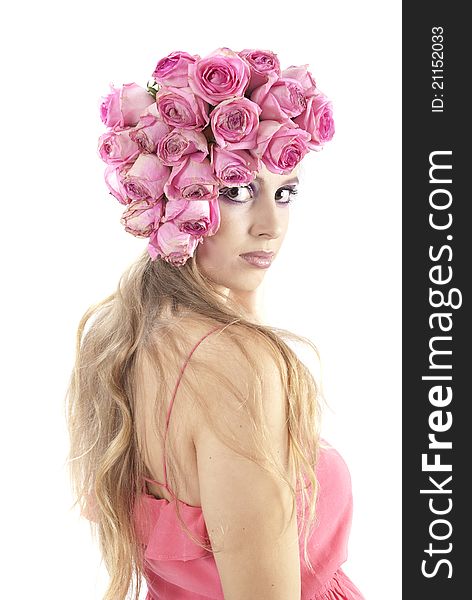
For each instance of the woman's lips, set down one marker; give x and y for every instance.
(262, 260)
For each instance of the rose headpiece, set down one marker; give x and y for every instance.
(204, 123)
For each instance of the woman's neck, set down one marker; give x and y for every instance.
(249, 301)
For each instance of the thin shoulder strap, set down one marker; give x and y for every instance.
(169, 410)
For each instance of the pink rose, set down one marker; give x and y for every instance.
(235, 123)
(114, 176)
(123, 106)
(303, 76)
(219, 76)
(317, 120)
(281, 100)
(264, 65)
(179, 143)
(172, 70)
(171, 244)
(192, 180)
(151, 110)
(179, 107)
(141, 218)
(146, 178)
(234, 167)
(281, 146)
(117, 147)
(149, 130)
(198, 217)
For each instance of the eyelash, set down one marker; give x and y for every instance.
(293, 193)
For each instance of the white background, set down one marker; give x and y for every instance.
(337, 280)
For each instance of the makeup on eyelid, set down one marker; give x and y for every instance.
(225, 193)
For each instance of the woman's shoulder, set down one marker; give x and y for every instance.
(192, 327)
(226, 348)
(238, 340)
(233, 350)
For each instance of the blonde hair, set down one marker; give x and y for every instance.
(105, 463)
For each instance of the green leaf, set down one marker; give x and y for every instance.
(153, 88)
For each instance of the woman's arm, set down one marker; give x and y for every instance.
(247, 510)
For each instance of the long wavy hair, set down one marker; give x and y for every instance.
(105, 461)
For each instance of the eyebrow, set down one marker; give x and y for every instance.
(292, 180)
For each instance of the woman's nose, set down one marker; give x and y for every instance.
(266, 218)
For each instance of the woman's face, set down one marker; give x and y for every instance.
(253, 218)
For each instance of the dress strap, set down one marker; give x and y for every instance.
(169, 410)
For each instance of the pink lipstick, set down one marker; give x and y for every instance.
(259, 259)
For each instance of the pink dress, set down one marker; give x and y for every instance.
(178, 569)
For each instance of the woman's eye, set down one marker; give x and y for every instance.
(238, 194)
(244, 193)
(286, 195)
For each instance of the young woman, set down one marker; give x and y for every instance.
(194, 426)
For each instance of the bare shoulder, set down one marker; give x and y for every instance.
(236, 366)
(229, 342)
(248, 511)
(233, 339)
